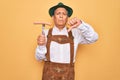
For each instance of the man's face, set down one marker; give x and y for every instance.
(60, 17)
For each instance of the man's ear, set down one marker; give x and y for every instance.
(53, 17)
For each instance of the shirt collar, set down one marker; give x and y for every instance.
(64, 29)
(56, 31)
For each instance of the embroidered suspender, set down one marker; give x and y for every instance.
(62, 39)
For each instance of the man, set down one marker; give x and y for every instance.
(57, 47)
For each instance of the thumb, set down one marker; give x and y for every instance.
(72, 27)
(69, 29)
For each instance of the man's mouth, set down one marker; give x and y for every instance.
(60, 20)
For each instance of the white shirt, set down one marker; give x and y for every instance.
(60, 53)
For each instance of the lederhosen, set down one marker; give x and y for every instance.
(59, 71)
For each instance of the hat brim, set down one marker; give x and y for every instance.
(52, 9)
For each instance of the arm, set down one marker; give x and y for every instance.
(41, 48)
(40, 52)
(83, 32)
(86, 34)
(41, 41)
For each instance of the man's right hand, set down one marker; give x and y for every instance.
(41, 40)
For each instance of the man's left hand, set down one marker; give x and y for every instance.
(73, 23)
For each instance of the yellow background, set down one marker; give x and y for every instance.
(98, 61)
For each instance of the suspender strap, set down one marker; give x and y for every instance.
(62, 39)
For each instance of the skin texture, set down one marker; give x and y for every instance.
(60, 19)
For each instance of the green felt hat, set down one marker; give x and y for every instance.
(52, 9)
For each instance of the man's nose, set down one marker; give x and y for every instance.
(61, 15)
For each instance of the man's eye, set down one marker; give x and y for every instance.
(57, 13)
(61, 13)
(64, 14)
